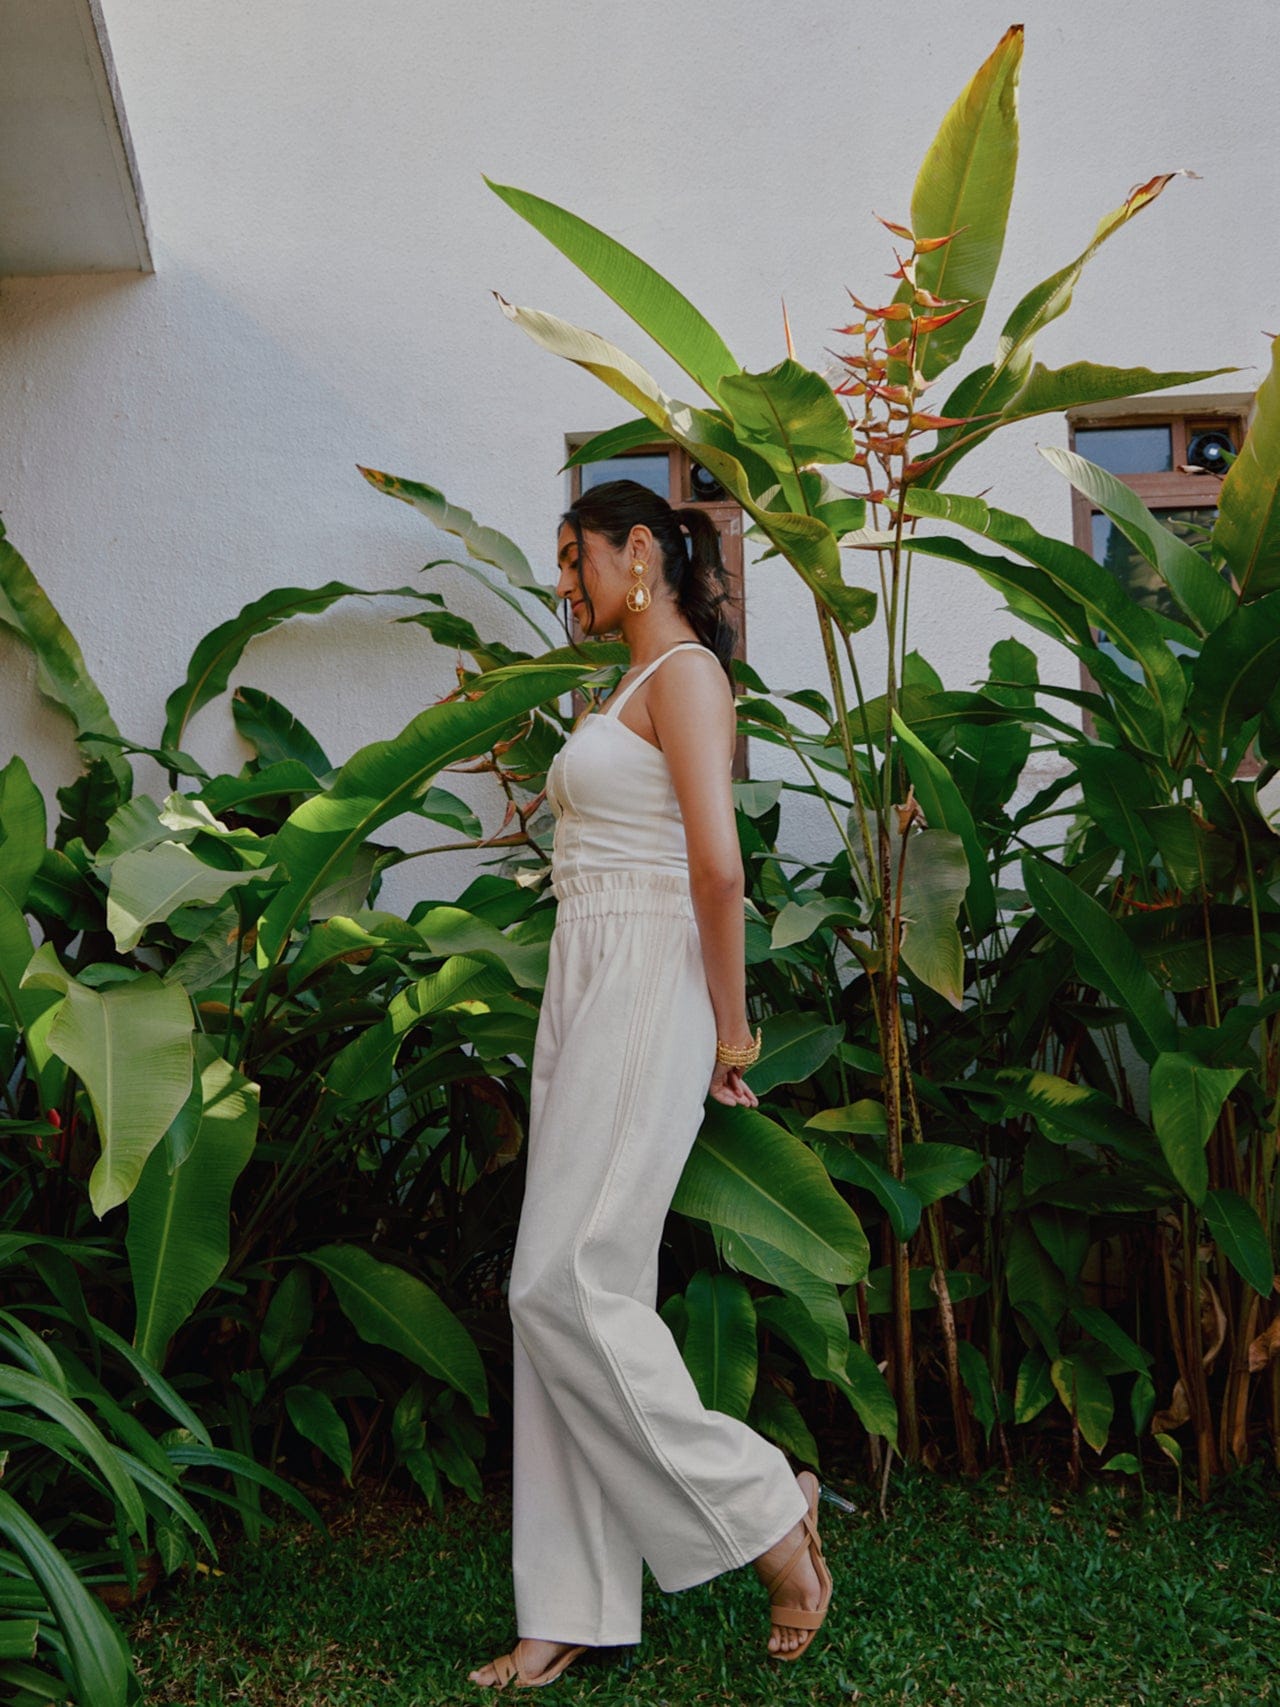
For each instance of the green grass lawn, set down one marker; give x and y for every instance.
(966, 1594)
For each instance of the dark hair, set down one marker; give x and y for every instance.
(690, 545)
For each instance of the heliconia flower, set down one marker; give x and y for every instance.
(926, 299)
(934, 423)
(931, 322)
(926, 245)
(854, 331)
(897, 230)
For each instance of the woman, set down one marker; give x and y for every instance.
(616, 1460)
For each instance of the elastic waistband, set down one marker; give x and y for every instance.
(634, 889)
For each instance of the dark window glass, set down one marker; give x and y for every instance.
(1127, 450)
(651, 471)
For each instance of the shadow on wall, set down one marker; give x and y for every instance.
(169, 460)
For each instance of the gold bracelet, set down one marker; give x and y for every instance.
(742, 1055)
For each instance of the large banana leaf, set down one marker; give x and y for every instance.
(657, 307)
(219, 652)
(719, 1346)
(944, 809)
(1236, 674)
(275, 734)
(149, 884)
(319, 840)
(1247, 531)
(179, 1211)
(1085, 582)
(989, 392)
(131, 1046)
(748, 1174)
(934, 882)
(860, 1381)
(1086, 1393)
(790, 416)
(1242, 1238)
(805, 541)
(22, 831)
(61, 673)
(965, 185)
(1105, 955)
(1186, 1100)
(1117, 788)
(821, 1298)
(1201, 592)
(388, 1306)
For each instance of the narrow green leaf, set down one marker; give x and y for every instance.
(1241, 1238)
(22, 832)
(321, 838)
(1198, 589)
(656, 306)
(900, 1203)
(316, 1418)
(219, 652)
(97, 1654)
(1105, 956)
(1247, 531)
(62, 675)
(965, 185)
(719, 1347)
(274, 733)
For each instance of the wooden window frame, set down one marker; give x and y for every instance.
(1171, 490)
(725, 512)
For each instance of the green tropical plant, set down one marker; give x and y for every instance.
(982, 1015)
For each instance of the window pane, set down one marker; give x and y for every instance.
(651, 471)
(1127, 450)
(1139, 580)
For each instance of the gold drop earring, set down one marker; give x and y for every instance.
(638, 595)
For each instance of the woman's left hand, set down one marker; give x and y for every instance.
(729, 1087)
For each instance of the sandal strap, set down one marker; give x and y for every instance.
(505, 1667)
(798, 1617)
(807, 1541)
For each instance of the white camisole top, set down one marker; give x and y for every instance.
(611, 792)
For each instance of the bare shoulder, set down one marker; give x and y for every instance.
(691, 708)
(692, 678)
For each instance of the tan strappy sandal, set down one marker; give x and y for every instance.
(510, 1666)
(800, 1617)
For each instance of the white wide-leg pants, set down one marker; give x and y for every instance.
(616, 1459)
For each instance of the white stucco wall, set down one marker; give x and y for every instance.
(326, 252)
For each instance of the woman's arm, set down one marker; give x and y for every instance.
(691, 707)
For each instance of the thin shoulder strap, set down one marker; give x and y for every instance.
(618, 700)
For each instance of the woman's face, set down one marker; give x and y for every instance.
(600, 575)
